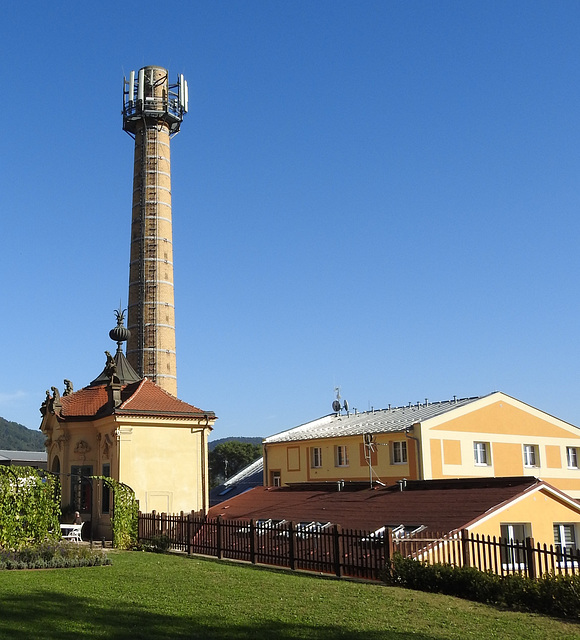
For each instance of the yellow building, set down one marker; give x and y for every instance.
(133, 431)
(491, 436)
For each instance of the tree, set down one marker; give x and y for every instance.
(230, 457)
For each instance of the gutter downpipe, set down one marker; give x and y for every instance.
(204, 474)
(203, 446)
(419, 461)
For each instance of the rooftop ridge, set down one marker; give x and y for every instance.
(124, 404)
(391, 419)
(415, 405)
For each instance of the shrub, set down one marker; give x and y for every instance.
(553, 595)
(559, 596)
(159, 543)
(52, 555)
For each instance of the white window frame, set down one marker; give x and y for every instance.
(400, 452)
(510, 529)
(481, 454)
(316, 457)
(562, 540)
(341, 455)
(572, 457)
(514, 558)
(531, 456)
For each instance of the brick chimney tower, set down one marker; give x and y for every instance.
(152, 113)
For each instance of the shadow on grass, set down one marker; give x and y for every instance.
(51, 617)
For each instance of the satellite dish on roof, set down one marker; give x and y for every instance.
(336, 406)
(345, 406)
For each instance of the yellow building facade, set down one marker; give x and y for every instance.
(133, 431)
(492, 436)
(543, 513)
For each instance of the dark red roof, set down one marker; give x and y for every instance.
(139, 398)
(444, 507)
(85, 403)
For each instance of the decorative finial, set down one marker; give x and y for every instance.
(120, 333)
(120, 315)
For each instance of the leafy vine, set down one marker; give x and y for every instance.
(125, 514)
(29, 507)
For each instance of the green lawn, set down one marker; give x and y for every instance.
(144, 595)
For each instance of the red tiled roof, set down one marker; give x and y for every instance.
(139, 398)
(146, 397)
(440, 509)
(85, 403)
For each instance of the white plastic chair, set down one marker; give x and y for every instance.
(75, 533)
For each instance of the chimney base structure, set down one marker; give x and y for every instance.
(152, 113)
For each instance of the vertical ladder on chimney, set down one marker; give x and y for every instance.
(151, 256)
(140, 320)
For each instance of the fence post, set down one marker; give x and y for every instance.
(464, 533)
(530, 559)
(219, 550)
(189, 533)
(338, 556)
(253, 541)
(389, 546)
(292, 545)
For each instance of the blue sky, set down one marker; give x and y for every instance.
(381, 196)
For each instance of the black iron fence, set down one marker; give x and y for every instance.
(330, 549)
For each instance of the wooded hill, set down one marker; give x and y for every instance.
(214, 443)
(16, 437)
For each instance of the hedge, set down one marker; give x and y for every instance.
(554, 595)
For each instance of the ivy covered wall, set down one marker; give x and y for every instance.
(29, 507)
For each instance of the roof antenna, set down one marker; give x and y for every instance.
(336, 405)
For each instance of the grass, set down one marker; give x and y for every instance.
(152, 596)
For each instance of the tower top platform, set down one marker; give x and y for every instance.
(149, 99)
